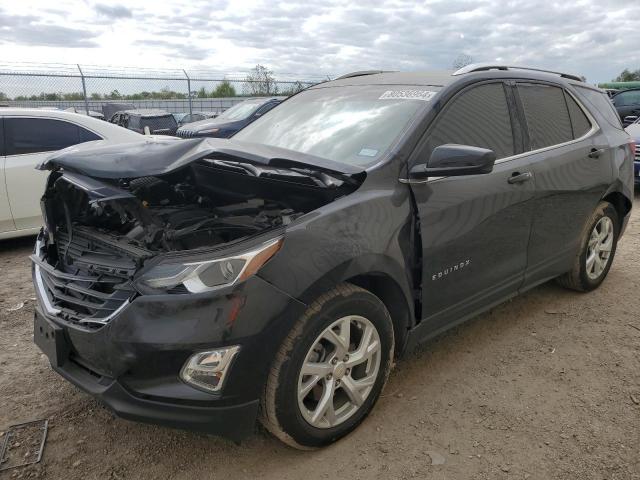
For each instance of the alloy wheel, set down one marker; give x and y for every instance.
(599, 248)
(339, 371)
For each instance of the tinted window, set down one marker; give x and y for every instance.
(32, 135)
(478, 117)
(1, 136)
(579, 120)
(87, 136)
(546, 113)
(599, 101)
(241, 110)
(632, 97)
(158, 123)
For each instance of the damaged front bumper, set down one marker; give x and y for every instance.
(132, 363)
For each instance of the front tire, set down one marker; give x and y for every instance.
(597, 249)
(330, 369)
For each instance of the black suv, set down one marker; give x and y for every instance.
(159, 122)
(230, 121)
(275, 275)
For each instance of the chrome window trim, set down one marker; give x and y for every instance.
(595, 127)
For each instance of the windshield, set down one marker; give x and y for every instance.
(241, 110)
(354, 125)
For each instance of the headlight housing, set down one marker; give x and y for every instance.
(208, 275)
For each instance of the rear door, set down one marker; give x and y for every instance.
(474, 229)
(28, 141)
(6, 219)
(571, 162)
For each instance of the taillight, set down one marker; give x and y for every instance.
(632, 147)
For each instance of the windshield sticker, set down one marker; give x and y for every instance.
(425, 95)
(368, 152)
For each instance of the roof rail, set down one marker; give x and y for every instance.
(360, 74)
(481, 67)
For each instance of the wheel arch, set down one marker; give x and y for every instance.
(620, 202)
(389, 292)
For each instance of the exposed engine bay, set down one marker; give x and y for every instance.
(208, 203)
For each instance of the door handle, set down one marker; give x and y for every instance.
(518, 177)
(596, 152)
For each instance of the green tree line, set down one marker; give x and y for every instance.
(224, 89)
(628, 76)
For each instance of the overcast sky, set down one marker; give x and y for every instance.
(309, 38)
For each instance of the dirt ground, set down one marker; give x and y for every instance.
(546, 386)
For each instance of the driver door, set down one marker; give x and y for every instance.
(474, 228)
(6, 219)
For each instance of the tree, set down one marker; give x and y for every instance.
(224, 89)
(260, 81)
(202, 93)
(462, 60)
(628, 76)
(114, 95)
(295, 88)
(3, 96)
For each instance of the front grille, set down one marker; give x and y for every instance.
(89, 285)
(637, 152)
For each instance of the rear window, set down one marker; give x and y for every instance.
(600, 102)
(546, 113)
(625, 99)
(159, 123)
(579, 121)
(34, 135)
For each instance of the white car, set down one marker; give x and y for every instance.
(28, 136)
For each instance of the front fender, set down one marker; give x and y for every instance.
(367, 232)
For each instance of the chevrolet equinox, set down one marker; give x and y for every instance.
(207, 283)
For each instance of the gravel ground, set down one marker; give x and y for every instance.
(546, 386)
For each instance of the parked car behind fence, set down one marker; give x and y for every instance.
(230, 121)
(158, 122)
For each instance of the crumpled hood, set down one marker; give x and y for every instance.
(157, 157)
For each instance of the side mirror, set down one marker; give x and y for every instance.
(455, 160)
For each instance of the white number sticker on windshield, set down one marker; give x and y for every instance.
(425, 95)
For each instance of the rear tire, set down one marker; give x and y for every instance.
(321, 385)
(597, 249)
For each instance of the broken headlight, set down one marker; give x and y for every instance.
(204, 276)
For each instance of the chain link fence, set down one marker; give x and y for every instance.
(88, 88)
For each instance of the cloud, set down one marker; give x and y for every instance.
(30, 30)
(113, 11)
(177, 50)
(313, 38)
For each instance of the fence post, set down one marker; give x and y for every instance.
(84, 90)
(188, 91)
